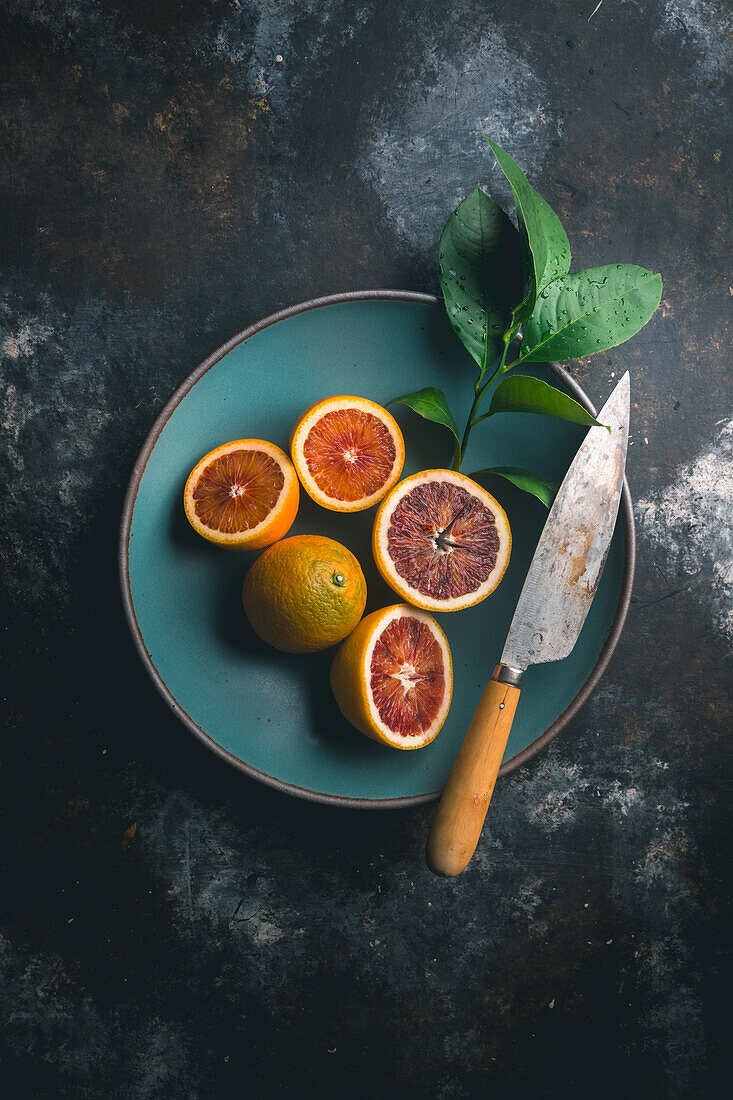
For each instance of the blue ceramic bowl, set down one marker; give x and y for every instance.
(271, 714)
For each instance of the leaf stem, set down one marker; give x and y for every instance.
(460, 451)
(480, 389)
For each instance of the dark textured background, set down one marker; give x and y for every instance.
(170, 172)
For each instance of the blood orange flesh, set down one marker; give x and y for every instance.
(236, 491)
(243, 495)
(349, 453)
(441, 541)
(393, 677)
(407, 676)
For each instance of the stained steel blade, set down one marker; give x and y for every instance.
(569, 559)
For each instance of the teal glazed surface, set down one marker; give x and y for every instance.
(273, 711)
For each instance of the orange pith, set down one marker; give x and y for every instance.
(237, 491)
(243, 495)
(350, 454)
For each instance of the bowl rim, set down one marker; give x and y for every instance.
(511, 765)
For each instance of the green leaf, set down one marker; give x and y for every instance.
(540, 487)
(545, 245)
(590, 311)
(431, 404)
(522, 393)
(480, 274)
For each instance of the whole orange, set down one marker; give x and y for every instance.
(304, 593)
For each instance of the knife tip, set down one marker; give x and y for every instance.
(617, 408)
(621, 391)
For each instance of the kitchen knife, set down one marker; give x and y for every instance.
(553, 604)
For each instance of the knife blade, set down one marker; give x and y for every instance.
(558, 591)
(569, 559)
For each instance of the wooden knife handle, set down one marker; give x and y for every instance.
(457, 825)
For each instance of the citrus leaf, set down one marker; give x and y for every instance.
(522, 393)
(480, 274)
(431, 404)
(590, 311)
(539, 487)
(544, 243)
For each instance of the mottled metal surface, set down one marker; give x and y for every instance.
(168, 928)
(568, 562)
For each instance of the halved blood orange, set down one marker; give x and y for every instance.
(441, 541)
(393, 677)
(348, 452)
(243, 495)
